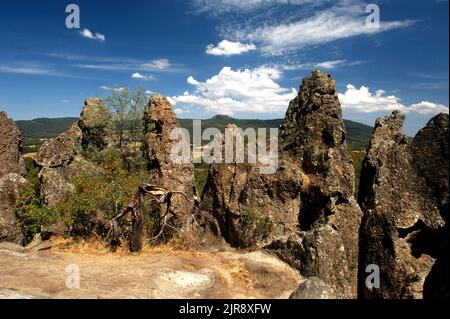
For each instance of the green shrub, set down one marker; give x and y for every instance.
(262, 225)
(32, 175)
(32, 215)
(358, 158)
(108, 193)
(201, 176)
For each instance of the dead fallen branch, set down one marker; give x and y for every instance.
(161, 196)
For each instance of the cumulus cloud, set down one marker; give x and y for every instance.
(91, 35)
(232, 91)
(364, 101)
(228, 48)
(140, 76)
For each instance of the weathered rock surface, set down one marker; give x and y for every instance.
(404, 196)
(95, 124)
(308, 203)
(160, 122)
(313, 288)
(28, 273)
(57, 181)
(314, 132)
(61, 150)
(10, 186)
(61, 159)
(252, 208)
(10, 147)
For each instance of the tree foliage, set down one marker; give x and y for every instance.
(127, 109)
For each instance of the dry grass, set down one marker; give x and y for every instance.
(83, 247)
(235, 274)
(94, 247)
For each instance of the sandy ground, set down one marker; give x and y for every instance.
(153, 274)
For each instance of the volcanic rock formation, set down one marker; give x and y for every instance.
(168, 168)
(404, 196)
(10, 186)
(307, 208)
(95, 124)
(252, 208)
(10, 147)
(11, 169)
(61, 159)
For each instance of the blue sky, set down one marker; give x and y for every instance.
(241, 58)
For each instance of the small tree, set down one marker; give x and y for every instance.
(127, 109)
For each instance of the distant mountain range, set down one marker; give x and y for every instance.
(358, 135)
(45, 127)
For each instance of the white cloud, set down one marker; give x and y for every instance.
(280, 27)
(324, 27)
(179, 111)
(325, 65)
(228, 48)
(158, 64)
(224, 6)
(329, 65)
(426, 107)
(140, 76)
(115, 89)
(364, 101)
(65, 101)
(23, 70)
(32, 69)
(90, 35)
(230, 91)
(192, 81)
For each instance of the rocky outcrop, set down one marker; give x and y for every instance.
(60, 150)
(10, 147)
(10, 186)
(57, 181)
(252, 208)
(61, 158)
(95, 124)
(308, 203)
(404, 196)
(313, 132)
(176, 175)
